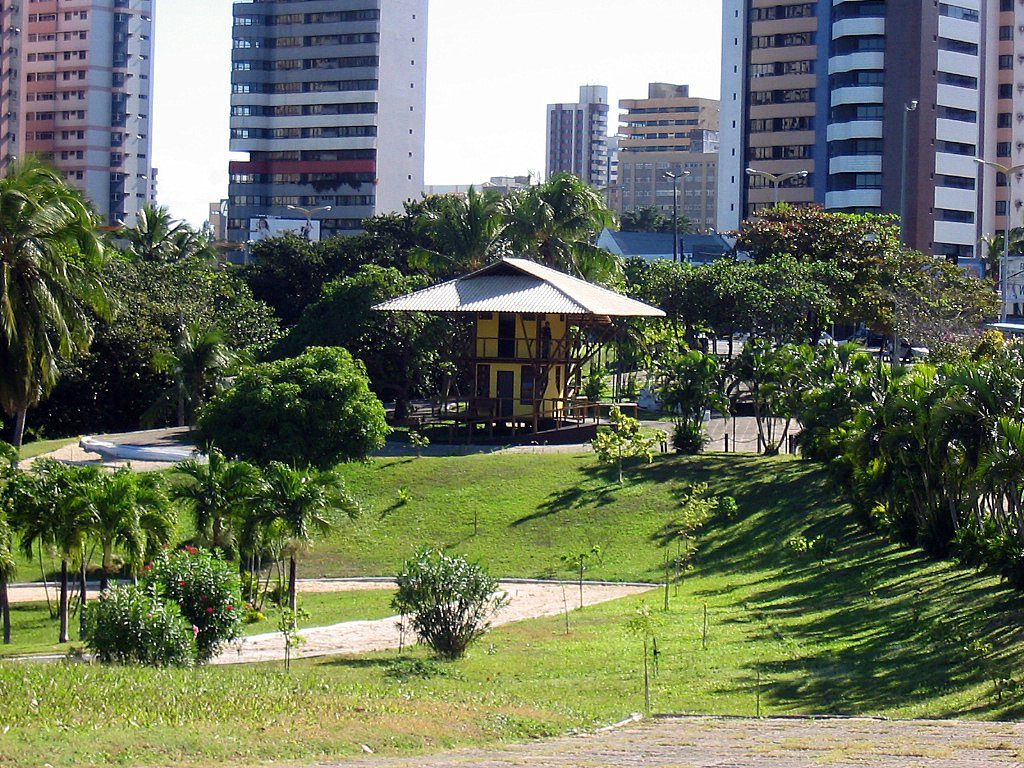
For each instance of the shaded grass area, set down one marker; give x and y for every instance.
(849, 625)
(33, 630)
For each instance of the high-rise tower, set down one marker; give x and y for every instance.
(328, 100)
(577, 137)
(75, 86)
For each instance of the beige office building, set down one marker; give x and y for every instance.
(669, 132)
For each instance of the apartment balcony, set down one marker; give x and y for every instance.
(855, 164)
(858, 27)
(854, 198)
(855, 129)
(862, 94)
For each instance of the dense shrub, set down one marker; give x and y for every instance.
(207, 591)
(129, 625)
(450, 600)
(689, 438)
(312, 410)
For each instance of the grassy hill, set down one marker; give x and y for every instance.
(830, 619)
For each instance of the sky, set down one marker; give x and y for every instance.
(493, 65)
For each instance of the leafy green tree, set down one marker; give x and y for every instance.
(307, 504)
(557, 223)
(402, 350)
(112, 387)
(464, 233)
(199, 363)
(772, 377)
(156, 236)
(623, 439)
(218, 494)
(691, 382)
(649, 218)
(451, 601)
(129, 511)
(48, 510)
(50, 284)
(312, 410)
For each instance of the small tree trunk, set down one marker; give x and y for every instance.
(105, 570)
(5, 610)
(18, 435)
(81, 603)
(293, 601)
(182, 421)
(63, 609)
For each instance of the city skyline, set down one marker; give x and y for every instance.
(497, 131)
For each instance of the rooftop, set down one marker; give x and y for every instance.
(520, 285)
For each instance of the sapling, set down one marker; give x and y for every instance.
(644, 624)
(579, 561)
(288, 626)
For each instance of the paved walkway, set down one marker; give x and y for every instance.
(702, 742)
(527, 600)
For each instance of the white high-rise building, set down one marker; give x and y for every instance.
(329, 101)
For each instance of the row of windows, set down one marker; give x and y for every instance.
(773, 124)
(660, 110)
(760, 182)
(778, 68)
(841, 182)
(958, 46)
(77, 74)
(326, 225)
(857, 78)
(318, 86)
(782, 40)
(282, 200)
(954, 113)
(783, 152)
(799, 10)
(289, 64)
(321, 155)
(67, 115)
(49, 37)
(860, 44)
(960, 217)
(847, 112)
(858, 11)
(307, 41)
(295, 110)
(658, 123)
(334, 132)
(329, 17)
(48, 135)
(958, 12)
(958, 80)
(66, 56)
(850, 147)
(351, 179)
(787, 96)
(34, 17)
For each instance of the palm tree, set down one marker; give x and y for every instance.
(558, 222)
(199, 364)
(995, 246)
(306, 503)
(157, 237)
(465, 232)
(129, 511)
(50, 265)
(52, 514)
(218, 494)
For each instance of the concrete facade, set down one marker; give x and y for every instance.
(823, 87)
(75, 87)
(577, 137)
(329, 101)
(669, 132)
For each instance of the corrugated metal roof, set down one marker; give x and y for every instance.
(519, 285)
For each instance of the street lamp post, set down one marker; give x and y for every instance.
(1010, 171)
(309, 214)
(676, 177)
(775, 180)
(909, 107)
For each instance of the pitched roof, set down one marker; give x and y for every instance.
(519, 285)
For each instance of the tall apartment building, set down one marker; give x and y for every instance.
(669, 132)
(577, 136)
(329, 101)
(825, 88)
(1005, 108)
(75, 85)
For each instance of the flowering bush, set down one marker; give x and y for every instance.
(208, 592)
(128, 625)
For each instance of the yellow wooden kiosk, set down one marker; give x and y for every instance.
(534, 328)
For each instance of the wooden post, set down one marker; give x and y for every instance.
(704, 632)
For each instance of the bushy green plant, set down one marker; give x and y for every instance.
(450, 600)
(594, 386)
(208, 592)
(130, 625)
(312, 410)
(689, 437)
(623, 439)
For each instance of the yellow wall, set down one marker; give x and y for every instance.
(526, 345)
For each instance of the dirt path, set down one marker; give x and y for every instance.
(526, 601)
(703, 742)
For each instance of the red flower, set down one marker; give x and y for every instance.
(181, 583)
(147, 568)
(231, 607)
(209, 610)
(191, 550)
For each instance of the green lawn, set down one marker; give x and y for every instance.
(33, 631)
(39, 447)
(868, 628)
